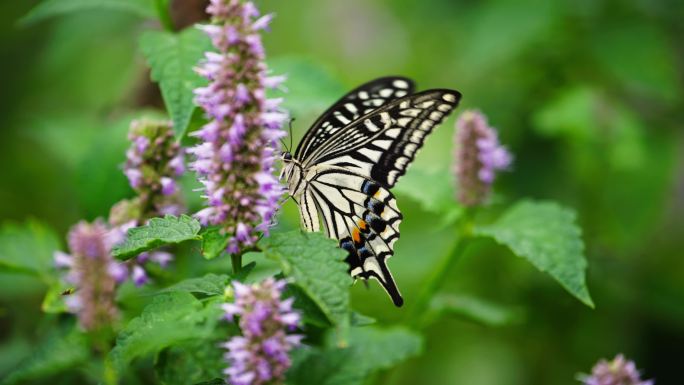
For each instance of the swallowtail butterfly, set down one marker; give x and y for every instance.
(342, 170)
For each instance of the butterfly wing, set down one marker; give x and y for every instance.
(354, 163)
(364, 217)
(350, 107)
(382, 144)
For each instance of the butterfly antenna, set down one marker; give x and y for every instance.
(291, 120)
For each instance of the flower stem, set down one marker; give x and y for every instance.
(441, 272)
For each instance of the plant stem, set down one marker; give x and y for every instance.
(164, 15)
(441, 272)
(236, 260)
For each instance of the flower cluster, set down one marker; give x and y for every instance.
(478, 156)
(619, 371)
(93, 272)
(153, 164)
(260, 355)
(235, 158)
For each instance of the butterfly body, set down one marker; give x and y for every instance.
(342, 170)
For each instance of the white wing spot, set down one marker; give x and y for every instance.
(386, 92)
(350, 107)
(404, 121)
(384, 144)
(449, 97)
(363, 95)
(341, 118)
(400, 84)
(393, 132)
(436, 115)
(444, 107)
(371, 126)
(410, 112)
(386, 119)
(400, 93)
(371, 154)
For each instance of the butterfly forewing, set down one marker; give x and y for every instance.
(383, 143)
(360, 101)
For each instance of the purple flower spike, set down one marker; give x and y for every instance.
(619, 371)
(261, 355)
(90, 270)
(478, 157)
(153, 163)
(235, 160)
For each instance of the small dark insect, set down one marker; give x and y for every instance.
(68, 291)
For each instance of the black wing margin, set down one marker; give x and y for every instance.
(358, 102)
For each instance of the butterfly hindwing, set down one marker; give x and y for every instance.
(358, 102)
(364, 216)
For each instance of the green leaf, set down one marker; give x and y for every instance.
(210, 284)
(50, 8)
(358, 319)
(170, 319)
(172, 58)
(158, 232)
(58, 353)
(371, 349)
(546, 235)
(215, 381)
(318, 268)
(377, 348)
(190, 364)
(28, 249)
(311, 313)
(473, 309)
(213, 242)
(434, 190)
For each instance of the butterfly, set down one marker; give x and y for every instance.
(344, 167)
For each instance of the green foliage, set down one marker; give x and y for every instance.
(473, 309)
(546, 235)
(210, 284)
(172, 58)
(28, 249)
(158, 232)
(213, 242)
(50, 8)
(171, 318)
(56, 354)
(433, 191)
(190, 363)
(371, 349)
(317, 265)
(312, 89)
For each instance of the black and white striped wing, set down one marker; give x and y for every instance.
(382, 144)
(362, 215)
(360, 101)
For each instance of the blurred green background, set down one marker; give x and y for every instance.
(586, 94)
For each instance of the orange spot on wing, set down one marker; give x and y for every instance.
(377, 194)
(362, 224)
(355, 236)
